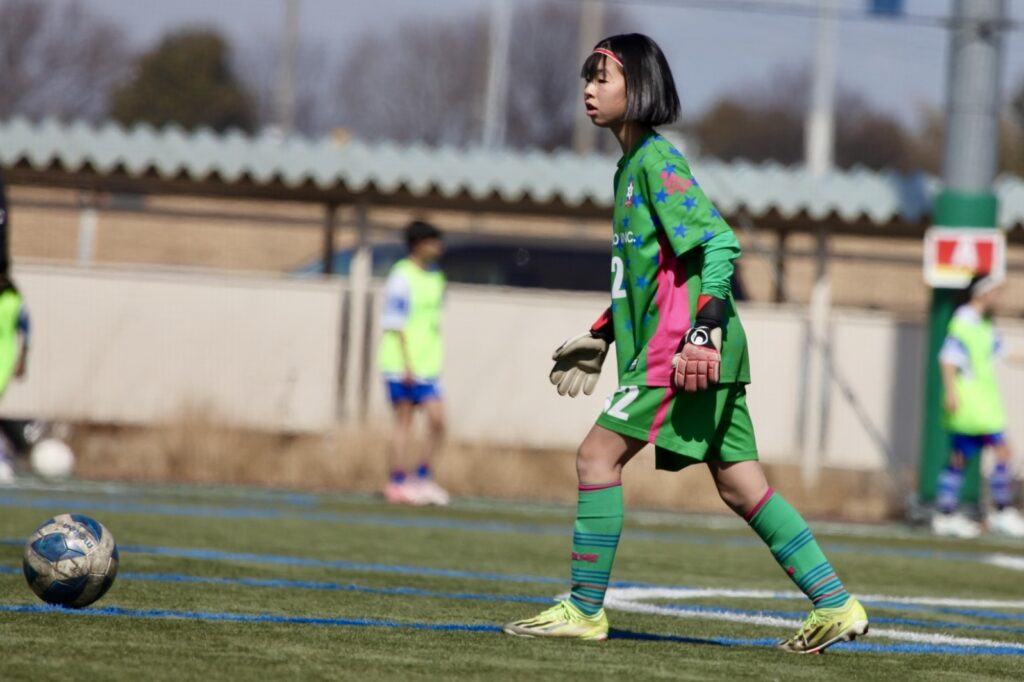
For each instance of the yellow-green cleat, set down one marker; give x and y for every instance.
(825, 627)
(562, 620)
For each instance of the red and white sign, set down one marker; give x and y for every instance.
(952, 256)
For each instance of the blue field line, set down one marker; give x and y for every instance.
(947, 610)
(281, 583)
(166, 614)
(563, 530)
(420, 571)
(471, 596)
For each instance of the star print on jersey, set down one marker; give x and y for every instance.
(662, 221)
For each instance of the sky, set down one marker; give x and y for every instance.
(898, 66)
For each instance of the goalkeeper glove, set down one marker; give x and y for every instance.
(578, 361)
(698, 362)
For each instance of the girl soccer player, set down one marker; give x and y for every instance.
(974, 414)
(682, 361)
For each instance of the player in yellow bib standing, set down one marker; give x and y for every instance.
(410, 357)
(14, 334)
(682, 361)
(975, 417)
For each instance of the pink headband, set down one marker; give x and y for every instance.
(610, 55)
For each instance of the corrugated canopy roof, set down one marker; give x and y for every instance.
(324, 169)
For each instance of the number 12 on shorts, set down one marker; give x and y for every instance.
(615, 405)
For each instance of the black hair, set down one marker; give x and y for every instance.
(651, 97)
(965, 295)
(419, 230)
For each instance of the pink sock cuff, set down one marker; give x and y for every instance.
(594, 487)
(757, 507)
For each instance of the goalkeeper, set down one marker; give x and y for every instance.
(682, 362)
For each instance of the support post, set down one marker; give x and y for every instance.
(969, 169)
(360, 273)
(327, 257)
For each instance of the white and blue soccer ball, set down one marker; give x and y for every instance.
(71, 560)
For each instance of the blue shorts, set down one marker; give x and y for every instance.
(419, 392)
(971, 446)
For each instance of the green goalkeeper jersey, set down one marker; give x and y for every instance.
(670, 246)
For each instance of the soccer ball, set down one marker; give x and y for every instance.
(52, 459)
(71, 560)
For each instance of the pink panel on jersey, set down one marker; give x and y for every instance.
(660, 415)
(673, 301)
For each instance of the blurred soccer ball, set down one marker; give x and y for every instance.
(52, 458)
(70, 560)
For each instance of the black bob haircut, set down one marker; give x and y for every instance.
(417, 231)
(651, 97)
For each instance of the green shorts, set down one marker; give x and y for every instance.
(686, 428)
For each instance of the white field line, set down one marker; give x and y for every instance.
(1015, 563)
(616, 601)
(638, 593)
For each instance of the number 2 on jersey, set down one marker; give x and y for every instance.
(615, 406)
(618, 273)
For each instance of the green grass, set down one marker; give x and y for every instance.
(529, 540)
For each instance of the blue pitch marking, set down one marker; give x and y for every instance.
(210, 511)
(277, 559)
(472, 596)
(166, 614)
(316, 585)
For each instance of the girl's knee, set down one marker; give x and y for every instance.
(592, 463)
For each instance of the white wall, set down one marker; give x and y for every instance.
(136, 347)
(123, 346)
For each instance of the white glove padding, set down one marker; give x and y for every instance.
(578, 364)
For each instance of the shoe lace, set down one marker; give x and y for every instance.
(813, 619)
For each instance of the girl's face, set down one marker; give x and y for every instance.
(605, 95)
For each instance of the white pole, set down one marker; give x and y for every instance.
(591, 22)
(819, 142)
(360, 272)
(819, 128)
(286, 68)
(496, 97)
(88, 222)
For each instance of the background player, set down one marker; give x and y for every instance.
(682, 361)
(410, 357)
(975, 416)
(14, 333)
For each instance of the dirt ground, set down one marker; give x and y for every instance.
(353, 460)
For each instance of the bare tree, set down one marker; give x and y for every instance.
(765, 122)
(425, 81)
(57, 58)
(422, 83)
(315, 109)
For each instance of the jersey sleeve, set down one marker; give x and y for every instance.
(679, 206)
(23, 324)
(396, 302)
(954, 350)
(716, 275)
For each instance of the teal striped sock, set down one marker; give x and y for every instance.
(594, 541)
(794, 547)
